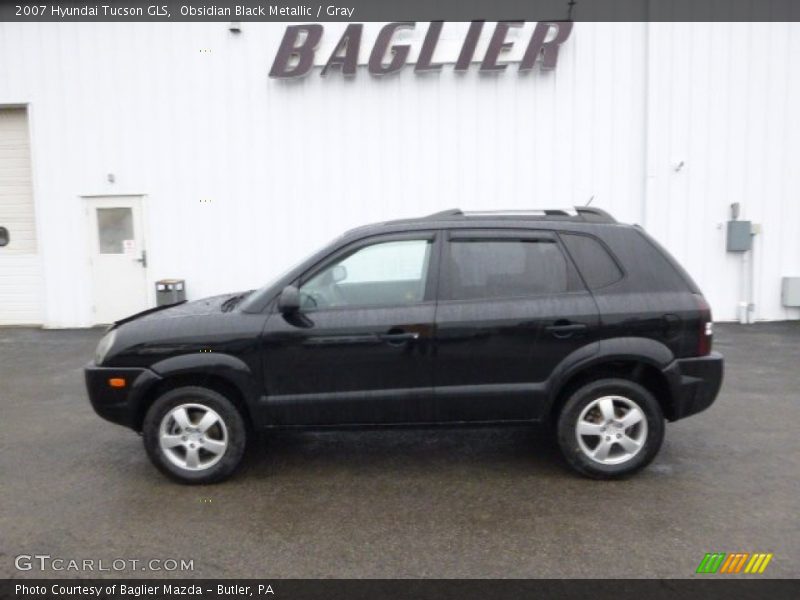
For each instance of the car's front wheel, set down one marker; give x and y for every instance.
(194, 435)
(610, 428)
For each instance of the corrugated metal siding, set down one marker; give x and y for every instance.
(20, 268)
(289, 165)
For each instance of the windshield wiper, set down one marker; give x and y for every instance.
(231, 302)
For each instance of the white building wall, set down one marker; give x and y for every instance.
(724, 99)
(288, 165)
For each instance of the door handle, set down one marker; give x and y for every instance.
(565, 329)
(342, 340)
(142, 259)
(398, 339)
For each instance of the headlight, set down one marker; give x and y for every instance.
(104, 346)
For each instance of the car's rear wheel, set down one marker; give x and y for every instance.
(194, 435)
(610, 428)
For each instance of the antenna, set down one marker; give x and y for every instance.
(590, 200)
(571, 4)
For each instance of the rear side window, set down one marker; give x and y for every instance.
(505, 268)
(592, 259)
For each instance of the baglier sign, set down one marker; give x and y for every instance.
(297, 51)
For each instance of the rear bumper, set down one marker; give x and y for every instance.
(695, 382)
(118, 405)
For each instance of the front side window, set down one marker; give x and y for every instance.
(381, 274)
(499, 268)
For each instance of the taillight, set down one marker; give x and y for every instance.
(705, 335)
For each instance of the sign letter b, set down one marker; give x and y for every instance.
(304, 51)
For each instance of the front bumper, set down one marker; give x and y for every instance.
(119, 405)
(695, 384)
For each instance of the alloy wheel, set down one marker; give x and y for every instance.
(611, 430)
(193, 437)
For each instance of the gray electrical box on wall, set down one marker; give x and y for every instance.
(790, 293)
(739, 238)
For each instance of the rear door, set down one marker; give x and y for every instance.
(511, 307)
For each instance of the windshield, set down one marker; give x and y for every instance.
(254, 299)
(256, 294)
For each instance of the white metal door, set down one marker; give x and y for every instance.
(118, 257)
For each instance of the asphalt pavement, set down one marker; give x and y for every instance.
(434, 503)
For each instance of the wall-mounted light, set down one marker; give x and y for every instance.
(110, 178)
(235, 27)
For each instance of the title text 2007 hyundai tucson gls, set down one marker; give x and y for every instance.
(566, 318)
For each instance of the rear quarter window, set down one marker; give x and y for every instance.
(598, 267)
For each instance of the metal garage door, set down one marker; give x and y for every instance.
(20, 266)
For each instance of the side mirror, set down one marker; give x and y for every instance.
(289, 300)
(4, 237)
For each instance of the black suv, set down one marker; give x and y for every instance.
(566, 318)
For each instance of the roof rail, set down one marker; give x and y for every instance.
(516, 212)
(450, 212)
(595, 215)
(585, 213)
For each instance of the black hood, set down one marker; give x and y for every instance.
(204, 306)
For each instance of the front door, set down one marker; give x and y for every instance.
(359, 350)
(511, 308)
(117, 256)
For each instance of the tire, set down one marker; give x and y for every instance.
(610, 446)
(194, 435)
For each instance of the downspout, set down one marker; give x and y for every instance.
(744, 290)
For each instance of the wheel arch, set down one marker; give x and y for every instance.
(222, 373)
(641, 360)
